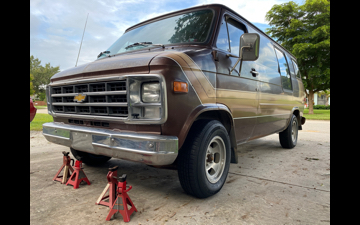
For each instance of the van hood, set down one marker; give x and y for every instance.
(131, 63)
(136, 62)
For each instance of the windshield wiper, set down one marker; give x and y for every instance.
(145, 44)
(103, 53)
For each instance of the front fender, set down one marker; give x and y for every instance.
(223, 114)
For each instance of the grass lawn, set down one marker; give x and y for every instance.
(39, 120)
(319, 114)
(40, 106)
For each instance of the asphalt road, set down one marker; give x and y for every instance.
(269, 185)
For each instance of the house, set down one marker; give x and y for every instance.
(318, 100)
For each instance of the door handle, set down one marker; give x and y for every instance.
(253, 72)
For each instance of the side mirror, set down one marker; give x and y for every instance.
(249, 49)
(249, 44)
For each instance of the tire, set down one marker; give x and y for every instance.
(288, 138)
(88, 158)
(204, 159)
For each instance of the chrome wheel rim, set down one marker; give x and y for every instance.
(294, 131)
(215, 158)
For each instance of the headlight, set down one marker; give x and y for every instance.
(150, 92)
(147, 99)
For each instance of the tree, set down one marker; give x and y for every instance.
(35, 63)
(42, 75)
(31, 84)
(305, 31)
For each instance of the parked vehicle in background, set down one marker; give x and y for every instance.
(32, 110)
(184, 88)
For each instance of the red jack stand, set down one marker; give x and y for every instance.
(78, 175)
(111, 186)
(66, 164)
(122, 201)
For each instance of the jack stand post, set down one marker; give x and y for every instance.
(122, 201)
(67, 166)
(78, 175)
(111, 186)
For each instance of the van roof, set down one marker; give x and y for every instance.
(209, 5)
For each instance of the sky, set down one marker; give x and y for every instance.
(56, 26)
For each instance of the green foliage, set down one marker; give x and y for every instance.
(39, 120)
(42, 96)
(324, 107)
(41, 74)
(326, 93)
(40, 106)
(286, 82)
(31, 84)
(305, 31)
(34, 63)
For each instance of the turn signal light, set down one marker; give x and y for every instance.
(181, 87)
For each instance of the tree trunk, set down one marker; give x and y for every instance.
(311, 102)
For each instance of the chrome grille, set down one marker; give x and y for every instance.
(117, 98)
(97, 87)
(69, 109)
(117, 87)
(97, 98)
(67, 99)
(81, 88)
(56, 90)
(102, 99)
(68, 89)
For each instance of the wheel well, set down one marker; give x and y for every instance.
(218, 115)
(297, 114)
(226, 119)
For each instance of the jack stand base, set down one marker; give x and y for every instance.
(78, 176)
(122, 201)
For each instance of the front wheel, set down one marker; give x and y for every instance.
(204, 159)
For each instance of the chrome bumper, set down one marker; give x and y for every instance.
(146, 148)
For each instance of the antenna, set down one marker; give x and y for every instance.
(81, 40)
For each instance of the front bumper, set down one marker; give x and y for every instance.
(146, 148)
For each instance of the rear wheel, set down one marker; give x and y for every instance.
(204, 159)
(88, 158)
(288, 138)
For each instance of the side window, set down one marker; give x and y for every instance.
(235, 31)
(297, 72)
(291, 67)
(223, 38)
(284, 70)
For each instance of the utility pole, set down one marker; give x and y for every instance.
(81, 40)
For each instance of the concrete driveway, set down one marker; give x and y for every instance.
(270, 185)
(43, 111)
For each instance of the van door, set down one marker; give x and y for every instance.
(276, 97)
(239, 93)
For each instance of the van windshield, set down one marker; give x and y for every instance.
(192, 27)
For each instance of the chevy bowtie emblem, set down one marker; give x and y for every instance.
(79, 97)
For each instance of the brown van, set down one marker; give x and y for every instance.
(185, 88)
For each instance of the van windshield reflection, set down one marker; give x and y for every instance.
(192, 27)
